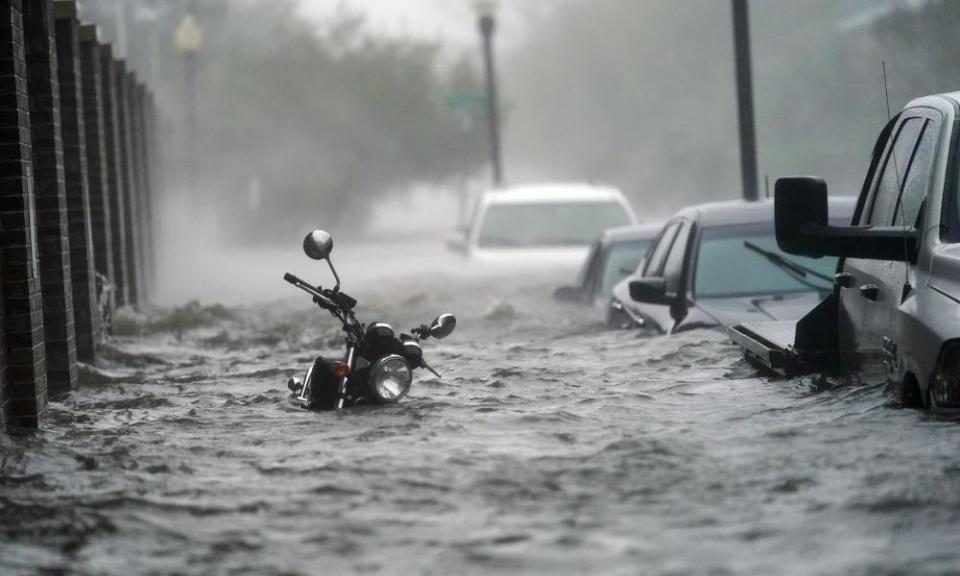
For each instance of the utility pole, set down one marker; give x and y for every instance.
(744, 71)
(486, 11)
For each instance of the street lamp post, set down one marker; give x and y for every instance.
(486, 12)
(189, 40)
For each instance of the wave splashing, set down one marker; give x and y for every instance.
(550, 446)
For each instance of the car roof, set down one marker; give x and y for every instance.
(951, 99)
(742, 212)
(550, 193)
(631, 233)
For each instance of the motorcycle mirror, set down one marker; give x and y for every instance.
(318, 245)
(443, 326)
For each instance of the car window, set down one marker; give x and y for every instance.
(730, 264)
(673, 268)
(659, 254)
(548, 224)
(887, 192)
(589, 269)
(918, 179)
(622, 260)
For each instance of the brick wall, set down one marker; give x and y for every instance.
(4, 389)
(154, 183)
(146, 206)
(86, 316)
(128, 180)
(117, 194)
(77, 175)
(96, 149)
(54, 235)
(26, 377)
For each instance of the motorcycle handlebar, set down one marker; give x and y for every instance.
(317, 296)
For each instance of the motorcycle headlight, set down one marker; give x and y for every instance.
(390, 378)
(945, 391)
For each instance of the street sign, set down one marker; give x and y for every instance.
(467, 103)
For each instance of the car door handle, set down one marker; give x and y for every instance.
(870, 292)
(843, 280)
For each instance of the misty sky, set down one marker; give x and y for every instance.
(453, 22)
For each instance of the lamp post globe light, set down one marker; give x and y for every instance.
(487, 22)
(188, 40)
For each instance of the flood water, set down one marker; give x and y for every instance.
(551, 446)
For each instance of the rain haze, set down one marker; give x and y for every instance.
(473, 287)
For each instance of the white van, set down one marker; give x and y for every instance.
(541, 225)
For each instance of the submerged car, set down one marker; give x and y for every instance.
(612, 257)
(543, 225)
(715, 265)
(894, 313)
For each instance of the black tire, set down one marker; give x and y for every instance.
(911, 395)
(323, 386)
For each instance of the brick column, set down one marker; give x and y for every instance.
(128, 179)
(82, 269)
(54, 235)
(96, 149)
(154, 162)
(4, 389)
(118, 249)
(26, 375)
(140, 184)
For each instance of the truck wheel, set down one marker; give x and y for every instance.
(618, 319)
(929, 404)
(910, 394)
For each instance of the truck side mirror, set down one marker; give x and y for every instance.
(799, 209)
(803, 228)
(650, 291)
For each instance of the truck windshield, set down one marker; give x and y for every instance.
(739, 261)
(544, 224)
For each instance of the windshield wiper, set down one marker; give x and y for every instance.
(798, 271)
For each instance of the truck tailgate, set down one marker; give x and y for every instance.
(769, 344)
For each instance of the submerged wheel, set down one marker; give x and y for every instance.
(323, 386)
(928, 402)
(618, 318)
(911, 396)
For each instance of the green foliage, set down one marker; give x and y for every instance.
(326, 124)
(323, 121)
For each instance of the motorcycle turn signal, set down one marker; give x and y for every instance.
(340, 369)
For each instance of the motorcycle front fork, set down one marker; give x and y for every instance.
(342, 390)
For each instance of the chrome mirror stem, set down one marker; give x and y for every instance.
(335, 275)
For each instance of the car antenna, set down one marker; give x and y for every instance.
(899, 208)
(766, 184)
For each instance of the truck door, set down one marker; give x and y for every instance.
(659, 316)
(872, 290)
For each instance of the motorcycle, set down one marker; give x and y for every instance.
(378, 365)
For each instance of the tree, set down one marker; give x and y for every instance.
(321, 123)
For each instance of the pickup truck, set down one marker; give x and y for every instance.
(894, 315)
